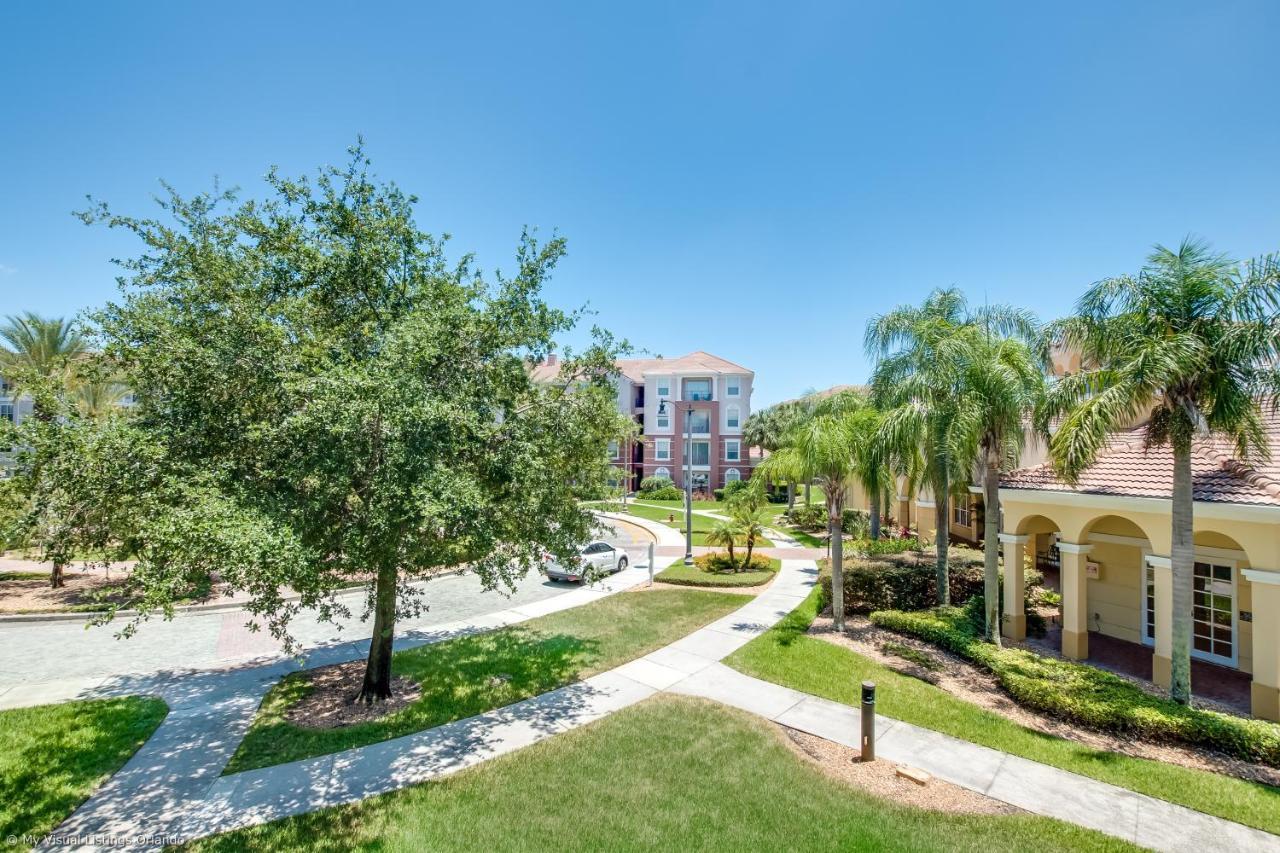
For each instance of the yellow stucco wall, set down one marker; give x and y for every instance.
(1115, 598)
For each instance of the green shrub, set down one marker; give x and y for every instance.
(649, 485)
(718, 561)
(856, 523)
(883, 547)
(915, 656)
(811, 518)
(666, 493)
(897, 583)
(1084, 694)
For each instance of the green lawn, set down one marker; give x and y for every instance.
(471, 675)
(807, 539)
(672, 773)
(785, 655)
(694, 576)
(702, 525)
(53, 756)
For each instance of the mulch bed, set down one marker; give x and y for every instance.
(881, 779)
(330, 705)
(974, 685)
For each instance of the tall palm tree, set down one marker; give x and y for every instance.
(920, 355)
(767, 429)
(1192, 343)
(1003, 383)
(36, 346)
(824, 447)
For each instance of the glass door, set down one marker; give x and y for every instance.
(1213, 609)
(1149, 606)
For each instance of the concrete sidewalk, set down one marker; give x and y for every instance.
(172, 787)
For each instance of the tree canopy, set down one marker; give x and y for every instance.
(322, 397)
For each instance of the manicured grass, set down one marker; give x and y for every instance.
(672, 773)
(471, 675)
(785, 655)
(807, 539)
(702, 525)
(52, 757)
(694, 576)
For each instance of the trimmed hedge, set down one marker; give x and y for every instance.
(893, 583)
(1084, 694)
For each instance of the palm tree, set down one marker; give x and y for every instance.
(823, 447)
(96, 398)
(726, 532)
(920, 359)
(38, 347)
(751, 522)
(1191, 343)
(767, 429)
(1003, 382)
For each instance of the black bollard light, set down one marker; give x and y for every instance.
(868, 721)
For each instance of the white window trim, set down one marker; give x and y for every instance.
(615, 453)
(662, 471)
(737, 475)
(735, 409)
(730, 393)
(662, 450)
(1200, 555)
(733, 441)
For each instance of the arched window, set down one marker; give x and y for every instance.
(732, 416)
(663, 473)
(731, 476)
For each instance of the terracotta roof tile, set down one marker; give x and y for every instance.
(636, 368)
(1125, 468)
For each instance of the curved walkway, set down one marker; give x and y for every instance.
(167, 790)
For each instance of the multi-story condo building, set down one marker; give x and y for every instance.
(708, 395)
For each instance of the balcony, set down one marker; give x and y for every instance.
(697, 390)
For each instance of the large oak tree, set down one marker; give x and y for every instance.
(322, 396)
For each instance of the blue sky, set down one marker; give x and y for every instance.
(755, 180)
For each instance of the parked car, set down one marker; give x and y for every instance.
(599, 556)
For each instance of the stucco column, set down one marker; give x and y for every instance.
(1075, 600)
(1162, 659)
(1014, 624)
(1266, 643)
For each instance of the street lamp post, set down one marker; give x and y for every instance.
(688, 480)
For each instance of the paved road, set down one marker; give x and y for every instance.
(60, 653)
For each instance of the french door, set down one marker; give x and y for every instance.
(1214, 614)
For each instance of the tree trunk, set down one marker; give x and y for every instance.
(791, 495)
(806, 493)
(377, 672)
(1181, 558)
(836, 536)
(57, 580)
(751, 544)
(991, 546)
(732, 561)
(942, 530)
(875, 516)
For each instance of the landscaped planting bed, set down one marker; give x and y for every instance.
(788, 655)
(760, 572)
(1086, 694)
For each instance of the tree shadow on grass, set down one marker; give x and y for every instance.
(459, 678)
(51, 757)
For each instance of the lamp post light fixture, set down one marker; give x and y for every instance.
(688, 480)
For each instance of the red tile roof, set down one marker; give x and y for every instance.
(636, 368)
(1124, 467)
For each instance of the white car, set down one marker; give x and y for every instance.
(596, 557)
